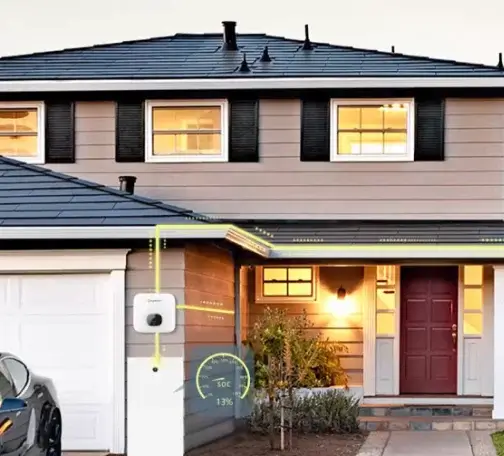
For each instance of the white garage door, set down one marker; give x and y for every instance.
(60, 325)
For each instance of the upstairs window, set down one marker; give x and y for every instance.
(187, 131)
(22, 131)
(372, 130)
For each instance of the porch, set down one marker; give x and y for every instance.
(418, 333)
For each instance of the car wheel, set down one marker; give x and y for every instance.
(43, 429)
(54, 435)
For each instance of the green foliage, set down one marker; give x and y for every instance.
(498, 441)
(331, 411)
(290, 353)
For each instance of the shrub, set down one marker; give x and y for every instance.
(289, 355)
(304, 355)
(330, 411)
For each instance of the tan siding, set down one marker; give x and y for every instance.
(209, 281)
(467, 185)
(244, 302)
(140, 279)
(347, 330)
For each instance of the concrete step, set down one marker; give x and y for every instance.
(427, 418)
(426, 410)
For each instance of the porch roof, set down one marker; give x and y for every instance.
(377, 232)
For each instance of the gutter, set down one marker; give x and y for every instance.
(297, 83)
(259, 246)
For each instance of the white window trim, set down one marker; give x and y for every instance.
(261, 299)
(113, 262)
(151, 158)
(372, 158)
(39, 159)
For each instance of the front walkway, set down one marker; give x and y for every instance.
(428, 443)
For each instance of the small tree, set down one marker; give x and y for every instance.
(290, 355)
(266, 339)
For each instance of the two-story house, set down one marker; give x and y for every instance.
(366, 187)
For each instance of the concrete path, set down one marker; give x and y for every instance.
(429, 443)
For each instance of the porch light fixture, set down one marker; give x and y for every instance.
(341, 293)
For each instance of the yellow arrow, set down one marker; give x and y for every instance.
(205, 309)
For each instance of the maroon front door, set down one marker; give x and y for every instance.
(428, 330)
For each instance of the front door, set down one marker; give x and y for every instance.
(429, 330)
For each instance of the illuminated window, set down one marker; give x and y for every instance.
(385, 275)
(473, 324)
(372, 130)
(22, 131)
(186, 131)
(286, 283)
(385, 324)
(473, 300)
(473, 275)
(386, 300)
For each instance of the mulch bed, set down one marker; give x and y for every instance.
(246, 444)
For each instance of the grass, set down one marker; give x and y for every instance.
(498, 441)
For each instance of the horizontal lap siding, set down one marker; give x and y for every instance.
(209, 282)
(325, 319)
(140, 279)
(467, 185)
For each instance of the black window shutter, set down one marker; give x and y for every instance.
(60, 132)
(429, 129)
(130, 132)
(244, 131)
(315, 131)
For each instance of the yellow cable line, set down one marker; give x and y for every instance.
(157, 286)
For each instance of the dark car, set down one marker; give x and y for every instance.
(30, 418)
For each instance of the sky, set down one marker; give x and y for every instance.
(461, 30)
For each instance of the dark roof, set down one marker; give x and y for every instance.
(201, 56)
(35, 196)
(378, 232)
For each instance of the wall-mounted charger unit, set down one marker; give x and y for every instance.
(154, 313)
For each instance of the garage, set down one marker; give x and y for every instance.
(62, 326)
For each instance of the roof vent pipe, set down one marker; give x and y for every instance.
(500, 66)
(230, 43)
(392, 49)
(307, 45)
(127, 184)
(265, 55)
(244, 68)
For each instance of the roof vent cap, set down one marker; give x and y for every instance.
(230, 43)
(244, 68)
(265, 55)
(127, 184)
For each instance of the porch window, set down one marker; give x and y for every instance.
(372, 130)
(186, 131)
(280, 283)
(473, 300)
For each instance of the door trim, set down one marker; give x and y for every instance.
(113, 262)
(369, 326)
(460, 331)
(459, 362)
(397, 339)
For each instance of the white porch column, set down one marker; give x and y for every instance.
(498, 409)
